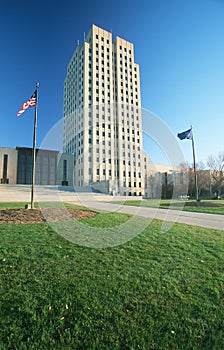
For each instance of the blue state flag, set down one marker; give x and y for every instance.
(185, 135)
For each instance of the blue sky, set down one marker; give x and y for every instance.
(179, 45)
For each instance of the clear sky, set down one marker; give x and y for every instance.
(179, 45)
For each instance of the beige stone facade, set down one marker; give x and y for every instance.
(52, 167)
(102, 114)
(164, 181)
(8, 165)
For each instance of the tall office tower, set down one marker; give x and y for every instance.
(102, 115)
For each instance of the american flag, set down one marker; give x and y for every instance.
(30, 103)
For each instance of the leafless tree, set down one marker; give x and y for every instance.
(216, 166)
(203, 178)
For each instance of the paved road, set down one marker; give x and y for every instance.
(17, 193)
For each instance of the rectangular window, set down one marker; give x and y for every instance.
(5, 166)
(65, 170)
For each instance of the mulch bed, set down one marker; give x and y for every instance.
(33, 216)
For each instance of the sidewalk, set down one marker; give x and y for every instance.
(20, 193)
(214, 221)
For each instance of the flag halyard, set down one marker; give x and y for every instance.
(30, 103)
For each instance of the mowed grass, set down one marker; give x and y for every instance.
(11, 205)
(159, 291)
(204, 206)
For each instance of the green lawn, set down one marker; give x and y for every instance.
(160, 291)
(205, 206)
(8, 205)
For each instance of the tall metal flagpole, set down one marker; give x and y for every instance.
(195, 172)
(34, 148)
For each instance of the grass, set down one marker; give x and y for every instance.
(205, 206)
(160, 291)
(9, 205)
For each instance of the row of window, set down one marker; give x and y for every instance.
(132, 194)
(124, 162)
(102, 100)
(126, 71)
(72, 105)
(70, 123)
(108, 41)
(123, 122)
(124, 154)
(125, 49)
(102, 39)
(121, 106)
(128, 93)
(102, 117)
(76, 66)
(122, 76)
(103, 142)
(129, 101)
(109, 142)
(102, 91)
(104, 49)
(78, 57)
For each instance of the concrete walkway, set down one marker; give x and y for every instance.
(19, 193)
(214, 221)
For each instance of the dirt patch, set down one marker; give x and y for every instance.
(33, 216)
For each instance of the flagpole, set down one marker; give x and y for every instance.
(195, 172)
(34, 148)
